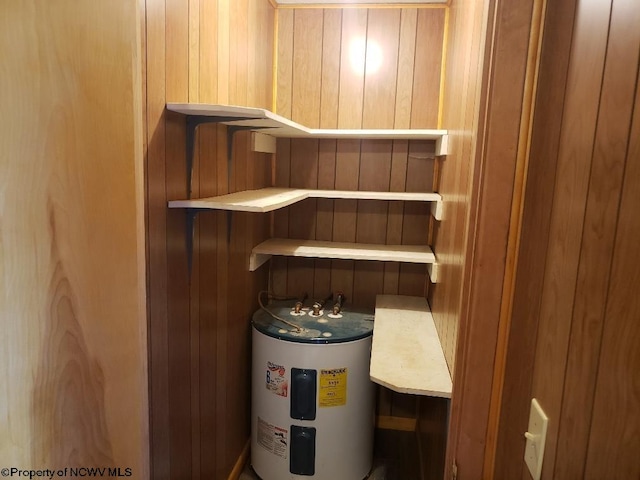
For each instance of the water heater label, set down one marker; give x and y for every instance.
(272, 438)
(333, 387)
(276, 380)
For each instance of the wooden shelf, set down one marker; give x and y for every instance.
(406, 355)
(268, 199)
(263, 200)
(272, 124)
(346, 251)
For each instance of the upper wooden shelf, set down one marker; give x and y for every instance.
(268, 199)
(272, 124)
(406, 355)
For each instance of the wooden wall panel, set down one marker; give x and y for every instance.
(577, 353)
(73, 345)
(331, 37)
(427, 74)
(335, 84)
(307, 66)
(352, 67)
(488, 51)
(574, 159)
(201, 337)
(460, 113)
(613, 435)
(406, 62)
(535, 221)
(383, 35)
(596, 249)
(345, 92)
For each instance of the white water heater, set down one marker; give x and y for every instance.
(312, 399)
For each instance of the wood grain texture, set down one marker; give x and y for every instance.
(383, 33)
(285, 62)
(491, 265)
(352, 67)
(406, 63)
(613, 436)
(156, 199)
(572, 176)
(535, 224)
(350, 94)
(200, 344)
(307, 67)
(585, 320)
(427, 73)
(73, 348)
(331, 38)
(484, 100)
(596, 250)
(352, 98)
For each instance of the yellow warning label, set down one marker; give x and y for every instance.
(333, 387)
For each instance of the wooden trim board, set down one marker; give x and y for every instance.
(241, 462)
(399, 424)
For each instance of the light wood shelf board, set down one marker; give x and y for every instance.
(339, 250)
(406, 355)
(268, 199)
(369, 195)
(262, 200)
(275, 125)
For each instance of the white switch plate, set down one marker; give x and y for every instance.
(536, 436)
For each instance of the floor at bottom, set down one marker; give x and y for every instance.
(395, 457)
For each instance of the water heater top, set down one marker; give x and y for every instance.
(323, 327)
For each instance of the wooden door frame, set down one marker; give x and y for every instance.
(511, 58)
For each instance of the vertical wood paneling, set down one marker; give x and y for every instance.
(574, 160)
(206, 352)
(397, 183)
(352, 67)
(177, 50)
(371, 220)
(334, 83)
(156, 199)
(208, 52)
(281, 217)
(344, 215)
(73, 345)
(383, 33)
(585, 144)
(483, 97)
(427, 73)
(536, 221)
(331, 40)
(353, 98)
(596, 250)
(613, 437)
(208, 281)
(222, 32)
(406, 62)
(324, 216)
(285, 62)
(194, 50)
(499, 200)
(307, 66)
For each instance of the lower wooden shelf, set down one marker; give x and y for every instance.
(347, 251)
(406, 355)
